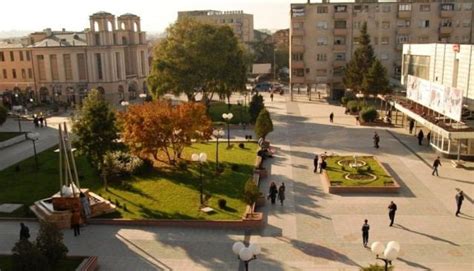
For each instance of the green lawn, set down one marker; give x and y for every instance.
(336, 172)
(7, 135)
(68, 264)
(163, 193)
(240, 112)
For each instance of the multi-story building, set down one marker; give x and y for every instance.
(240, 22)
(324, 35)
(111, 56)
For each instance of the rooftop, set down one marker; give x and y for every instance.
(63, 39)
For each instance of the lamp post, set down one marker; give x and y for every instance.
(227, 117)
(390, 252)
(217, 133)
(34, 137)
(201, 158)
(143, 96)
(246, 254)
(124, 104)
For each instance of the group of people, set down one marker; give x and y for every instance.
(40, 121)
(322, 164)
(275, 192)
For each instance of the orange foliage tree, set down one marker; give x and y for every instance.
(158, 126)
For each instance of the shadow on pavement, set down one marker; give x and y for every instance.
(413, 264)
(425, 234)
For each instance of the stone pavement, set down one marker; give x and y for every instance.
(313, 230)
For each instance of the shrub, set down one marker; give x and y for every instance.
(50, 243)
(353, 106)
(255, 106)
(348, 96)
(264, 124)
(124, 164)
(222, 203)
(242, 145)
(26, 257)
(360, 170)
(368, 114)
(234, 167)
(251, 192)
(182, 165)
(375, 267)
(343, 168)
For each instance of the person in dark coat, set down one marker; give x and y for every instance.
(436, 164)
(428, 137)
(331, 117)
(41, 121)
(459, 200)
(365, 233)
(322, 166)
(75, 222)
(376, 140)
(421, 135)
(392, 209)
(273, 191)
(281, 193)
(411, 126)
(315, 163)
(24, 232)
(36, 121)
(271, 96)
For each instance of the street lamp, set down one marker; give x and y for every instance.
(246, 254)
(143, 96)
(124, 104)
(390, 252)
(217, 133)
(34, 137)
(201, 158)
(227, 117)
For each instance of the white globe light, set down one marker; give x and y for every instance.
(195, 157)
(245, 254)
(377, 248)
(215, 133)
(256, 250)
(394, 244)
(202, 157)
(390, 254)
(221, 133)
(237, 247)
(230, 115)
(224, 115)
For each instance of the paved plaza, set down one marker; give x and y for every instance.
(313, 230)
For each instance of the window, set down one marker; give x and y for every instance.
(98, 61)
(119, 65)
(417, 65)
(340, 8)
(385, 25)
(97, 38)
(322, 9)
(403, 23)
(81, 66)
(297, 56)
(321, 57)
(338, 71)
(384, 40)
(297, 12)
(53, 62)
(423, 39)
(298, 25)
(14, 73)
(361, 8)
(356, 40)
(41, 67)
(401, 39)
(467, 6)
(465, 38)
(5, 74)
(340, 24)
(28, 56)
(376, 40)
(357, 25)
(67, 67)
(296, 41)
(424, 23)
(21, 55)
(322, 25)
(340, 56)
(23, 74)
(321, 72)
(30, 73)
(298, 72)
(386, 8)
(322, 41)
(466, 23)
(384, 56)
(12, 56)
(425, 7)
(339, 40)
(404, 7)
(446, 23)
(2, 56)
(447, 7)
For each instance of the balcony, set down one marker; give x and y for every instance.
(339, 47)
(445, 30)
(297, 80)
(297, 32)
(403, 30)
(340, 31)
(404, 14)
(297, 64)
(297, 48)
(447, 13)
(341, 15)
(338, 63)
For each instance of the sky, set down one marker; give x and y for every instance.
(35, 15)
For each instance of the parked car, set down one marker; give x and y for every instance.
(265, 86)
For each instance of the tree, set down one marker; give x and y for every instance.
(160, 127)
(376, 81)
(264, 124)
(3, 114)
(198, 58)
(50, 243)
(360, 63)
(251, 193)
(255, 106)
(95, 128)
(27, 257)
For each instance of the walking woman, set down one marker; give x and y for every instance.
(281, 193)
(272, 193)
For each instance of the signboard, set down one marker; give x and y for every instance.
(262, 68)
(442, 99)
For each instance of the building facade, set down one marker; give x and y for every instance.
(324, 35)
(111, 56)
(240, 22)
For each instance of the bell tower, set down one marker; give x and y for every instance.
(102, 27)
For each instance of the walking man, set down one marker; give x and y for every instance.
(459, 199)
(281, 193)
(75, 222)
(411, 126)
(376, 140)
(322, 166)
(272, 193)
(392, 209)
(24, 232)
(421, 135)
(436, 164)
(271, 96)
(331, 117)
(315, 162)
(365, 233)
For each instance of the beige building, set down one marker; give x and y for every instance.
(240, 22)
(111, 56)
(324, 35)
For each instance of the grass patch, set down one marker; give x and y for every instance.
(67, 264)
(240, 112)
(7, 135)
(163, 193)
(336, 172)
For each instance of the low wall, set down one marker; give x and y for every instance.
(88, 264)
(12, 141)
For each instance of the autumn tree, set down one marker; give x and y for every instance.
(198, 58)
(158, 127)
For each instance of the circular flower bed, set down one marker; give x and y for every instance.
(360, 177)
(350, 163)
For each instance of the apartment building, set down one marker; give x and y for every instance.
(324, 35)
(240, 22)
(111, 56)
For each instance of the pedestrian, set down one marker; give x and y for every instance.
(315, 163)
(428, 137)
(273, 191)
(271, 96)
(85, 205)
(24, 232)
(324, 155)
(331, 117)
(411, 125)
(281, 193)
(41, 120)
(392, 209)
(357, 120)
(35, 121)
(376, 140)
(436, 164)
(421, 135)
(75, 222)
(365, 233)
(45, 121)
(322, 166)
(459, 199)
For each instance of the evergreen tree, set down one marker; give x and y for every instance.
(256, 105)
(376, 81)
(264, 124)
(251, 192)
(50, 243)
(26, 257)
(360, 63)
(95, 128)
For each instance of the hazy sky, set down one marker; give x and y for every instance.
(155, 15)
